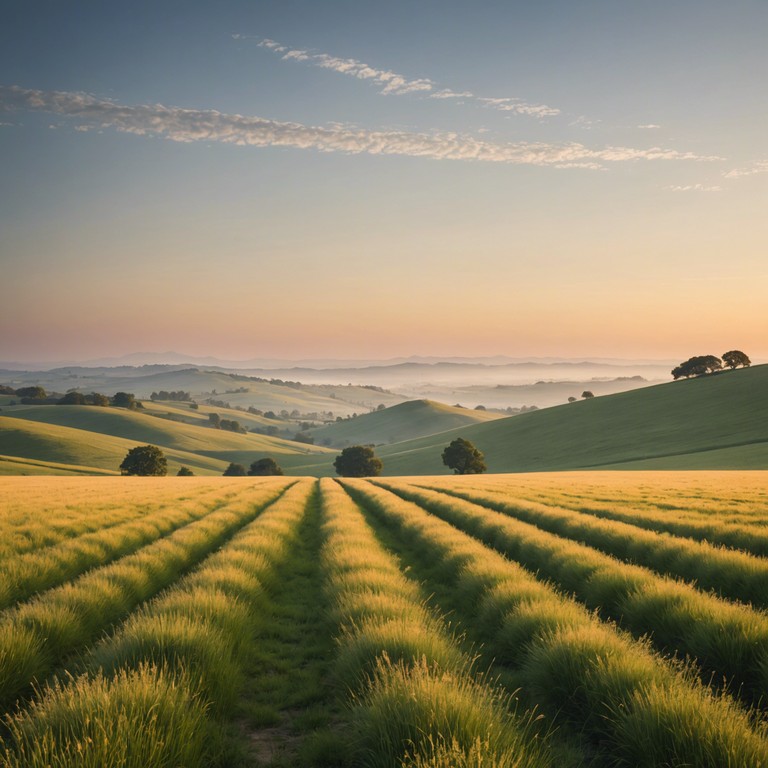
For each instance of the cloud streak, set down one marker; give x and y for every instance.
(191, 125)
(738, 173)
(398, 85)
(695, 188)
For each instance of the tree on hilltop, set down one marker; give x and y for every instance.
(586, 394)
(697, 366)
(736, 358)
(358, 461)
(464, 458)
(234, 470)
(145, 460)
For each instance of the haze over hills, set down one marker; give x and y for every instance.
(496, 382)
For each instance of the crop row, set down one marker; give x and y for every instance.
(635, 707)
(39, 514)
(728, 639)
(733, 574)
(415, 696)
(719, 496)
(38, 635)
(152, 694)
(747, 535)
(23, 574)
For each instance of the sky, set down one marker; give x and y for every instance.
(292, 179)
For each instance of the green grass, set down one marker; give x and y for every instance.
(716, 422)
(406, 421)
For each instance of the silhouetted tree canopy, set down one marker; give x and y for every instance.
(572, 399)
(735, 358)
(697, 366)
(124, 400)
(185, 472)
(31, 392)
(234, 470)
(464, 458)
(263, 467)
(586, 394)
(146, 460)
(72, 398)
(358, 461)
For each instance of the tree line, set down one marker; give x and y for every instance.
(701, 365)
(355, 461)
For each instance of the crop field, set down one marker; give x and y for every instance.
(593, 619)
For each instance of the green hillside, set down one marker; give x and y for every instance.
(53, 444)
(406, 421)
(715, 422)
(195, 446)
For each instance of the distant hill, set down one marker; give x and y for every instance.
(715, 422)
(100, 437)
(416, 418)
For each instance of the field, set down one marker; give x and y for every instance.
(570, 619)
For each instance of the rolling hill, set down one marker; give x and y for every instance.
(101, 437)
(714, 422)
(416, 418)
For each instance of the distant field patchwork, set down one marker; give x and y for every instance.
(535, 620)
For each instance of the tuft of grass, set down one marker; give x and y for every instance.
(138, 718)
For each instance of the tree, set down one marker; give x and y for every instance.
(735, 358)
(96, 398)
(214, 420)
(36, 393)
(358, 461)
(185, 472)
(72, 398)
(234, 470)
(124, 400)
(571, 399)
(146, 460)
(463, 458)
(586, 394)
(263, 467)
(697, 366)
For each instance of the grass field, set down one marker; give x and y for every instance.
(588, 619)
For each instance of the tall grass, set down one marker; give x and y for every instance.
(194, 640)
(583, 672)
(26, 573)
(736, 575)
(413, 691)
(38, 635)
(728, 639)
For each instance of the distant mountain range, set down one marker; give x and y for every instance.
(261, 364)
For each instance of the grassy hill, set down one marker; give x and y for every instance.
(416, 418)
(94, 430)
(685, 424)
(219, 385)
(77, 448)
(716, 422)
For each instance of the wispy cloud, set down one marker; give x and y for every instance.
(759, 167)
(695, 188)
(391, 83)
(394, 84)
(649, 126)
(190, 125)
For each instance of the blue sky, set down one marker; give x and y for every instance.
(294, 179)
